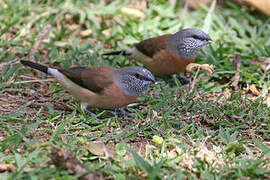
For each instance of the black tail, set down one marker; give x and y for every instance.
(124, 53)
(35, 66)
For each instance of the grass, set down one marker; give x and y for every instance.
(214, 132)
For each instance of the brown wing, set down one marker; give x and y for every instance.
(150, 47)
(94, 79)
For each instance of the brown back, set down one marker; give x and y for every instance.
(96, 79)
(150, 47)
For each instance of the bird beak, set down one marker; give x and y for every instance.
(209, 40)
(152, 79)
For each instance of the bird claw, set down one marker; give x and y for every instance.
(183, 80)
(122, 112)
(88, 113)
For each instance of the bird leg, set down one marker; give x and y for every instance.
(122, 112)
(87, 112)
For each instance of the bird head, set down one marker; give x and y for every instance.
(134, 79)
(188, 42)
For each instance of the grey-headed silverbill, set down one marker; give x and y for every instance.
(100, 87)
(168, 54)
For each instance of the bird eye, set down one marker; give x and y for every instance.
(137, 75)
(196, 37)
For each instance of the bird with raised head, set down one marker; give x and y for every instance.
(170, 53)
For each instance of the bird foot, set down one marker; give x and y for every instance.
(122, 112)
(88, 113)
(183, 80)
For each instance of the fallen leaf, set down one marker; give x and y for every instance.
(264, 63)
(7, 168)
(208, 155)
(40, 38)
(67, 5)
(3, 4)
(262, 5)
(86, 32)
(107, 32)
(132, 12)
(64, 159)
(237, 63)
(61, 44)
(197, 3)
(96, 148)
(68, 16)
(207, 67)
(254, 90)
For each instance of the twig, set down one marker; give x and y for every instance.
(10, 80)
(28, 77)
(235, 79)
(64, 159)
(192, 84)
(43, 34)
(48, 12)
(7, 63)
(33, 81)
(107, 155)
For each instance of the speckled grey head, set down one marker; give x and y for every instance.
(188, 42)
(134, 80)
